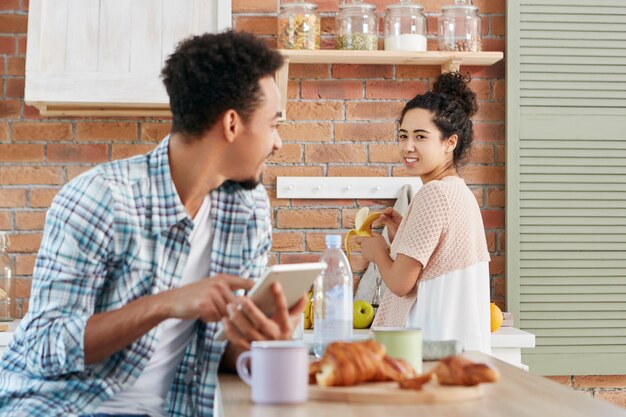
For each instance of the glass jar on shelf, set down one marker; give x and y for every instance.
(459, 27)
(356, 26)
(405, 27)
(299, 26)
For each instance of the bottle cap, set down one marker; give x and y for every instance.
(333, 241)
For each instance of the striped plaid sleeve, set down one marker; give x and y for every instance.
(259, 236)
(69, 271)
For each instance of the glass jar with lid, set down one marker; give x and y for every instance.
(299, 26)
(405, 27)
(356, 26)
(459, 27)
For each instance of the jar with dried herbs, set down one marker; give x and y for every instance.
(299, 26)
(356, 26)
(460, 28)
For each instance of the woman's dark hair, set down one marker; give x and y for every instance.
(209, 74)
(453, 104)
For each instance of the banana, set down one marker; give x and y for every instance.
(362, 226)
(308, 311)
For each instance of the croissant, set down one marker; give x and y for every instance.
(345, 364)
(456, 370)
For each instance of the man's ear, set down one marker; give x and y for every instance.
(231, 125)
(452, 142)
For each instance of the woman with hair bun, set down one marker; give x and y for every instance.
(437, 269)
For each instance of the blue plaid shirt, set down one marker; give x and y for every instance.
(116, 233)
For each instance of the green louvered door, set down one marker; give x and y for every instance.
(566, 182)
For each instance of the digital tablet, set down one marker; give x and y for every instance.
(295, 279)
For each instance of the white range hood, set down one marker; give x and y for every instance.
(104, 57)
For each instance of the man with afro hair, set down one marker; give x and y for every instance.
(141, 257)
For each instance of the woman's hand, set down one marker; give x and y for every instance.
(391, 219)
(372, 247)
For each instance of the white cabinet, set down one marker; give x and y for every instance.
(104, 57)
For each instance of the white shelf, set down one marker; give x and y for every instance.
(343, 187)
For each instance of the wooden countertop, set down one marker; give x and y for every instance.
(516, 394)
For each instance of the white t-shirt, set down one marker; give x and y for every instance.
(147, 395)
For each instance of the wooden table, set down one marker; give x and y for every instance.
(516, 394)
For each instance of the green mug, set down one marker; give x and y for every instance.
(402, 342)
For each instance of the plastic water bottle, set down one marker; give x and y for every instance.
(332, 298)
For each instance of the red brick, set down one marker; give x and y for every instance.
(373, 110)
(490, 111)
(12, 197)
(600, 381)
(331, 89)
(499, 287)
(498, 25)
(334, 153)
(247, 6)
(307, 219)
(24, 264)
(495, 197)
(259, 25)
(481, 153)
(21, 44)
(493, 218)
(10, 5)
(482, 88)
(617, 398)
(287, 242)
(13, 23)
(154, 132)
(49, 132)
(502, 242)
(277, 202)
(476, 174)
(9, 109)
(15, 87)
(21, 153)
(314, 110)
(499, 89)
(42, 197)
(394, 90)
(88, 131)
(270, 174)
(22, 287)
(126, 151)
(357, 171)
(296, 258)
(360, 132)
(362, 71)
(16, 66)
(293, 89)
(7, 44)
(74, 171)
(306, 131)
(4, 131)
(479, 194)
(25, 243)
(31, 112)
(315, 242)
(491, 241)
(497, 265)
(290, 153)
(384, 153)
(489, 132)
(418, 71)
(78, 153)
(25, 5)
(308, 71)
(496, 70)
(27, 175)
(29, 220)
(490, 6)
(5, 220)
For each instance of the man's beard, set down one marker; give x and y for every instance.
(250, 184)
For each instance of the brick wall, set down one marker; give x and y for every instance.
(341, 121)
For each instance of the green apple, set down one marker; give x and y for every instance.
(363, 314)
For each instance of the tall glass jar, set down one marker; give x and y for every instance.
(7, 282)
(356, 26)
(299, 26)
(459, 27)
(405, 27)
